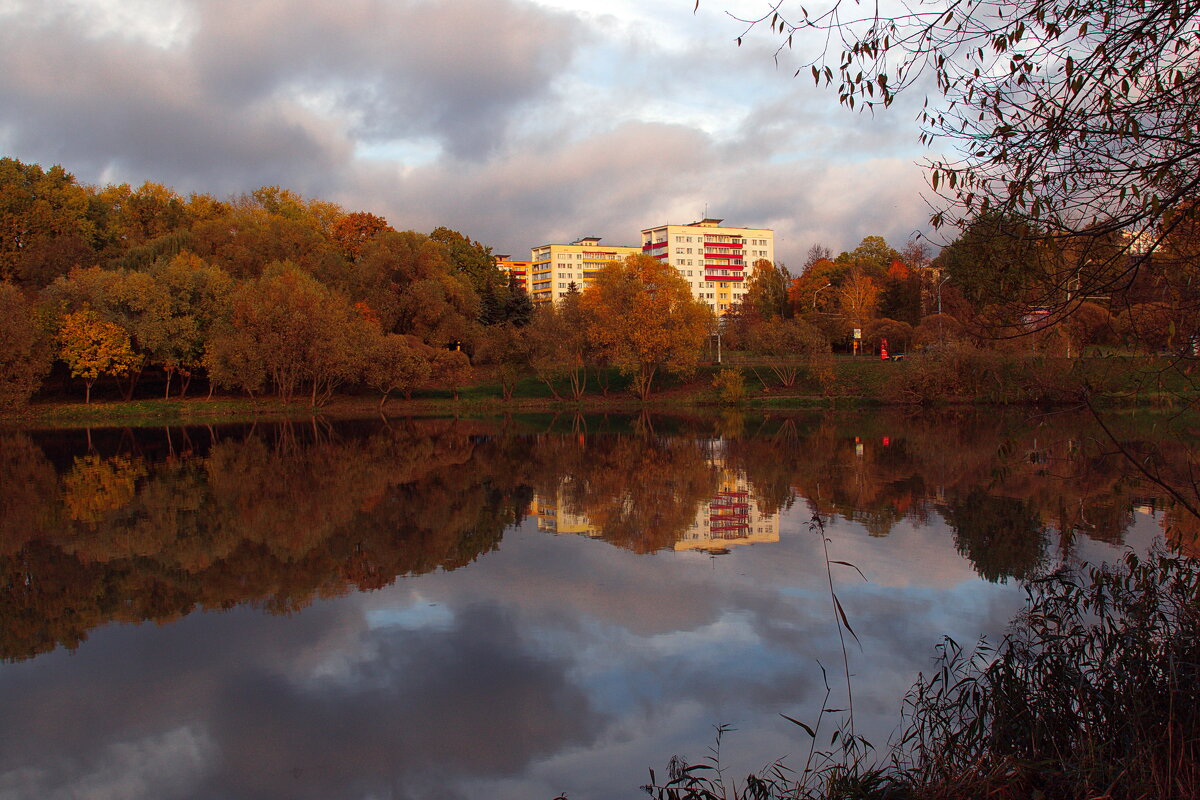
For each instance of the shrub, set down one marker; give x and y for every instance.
(730, 386)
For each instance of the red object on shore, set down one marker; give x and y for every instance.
(883, 349)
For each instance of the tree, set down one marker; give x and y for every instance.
(136, 301)
(788, 344)
(452, 368)
(24, 349)
(644, 319)
(296, 331)
(353, 231)
(507, 348)
(805, 292)
(767, 290)
(93, 347)
(198, 296)
(858, 298)
(873, 256)
(558, 344)
(409, 282)
(472, 259)
(1078, 118)
(394, 364)
(46, 223)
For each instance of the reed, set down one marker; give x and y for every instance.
(1094, 692)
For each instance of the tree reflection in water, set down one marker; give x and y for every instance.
(150, 525)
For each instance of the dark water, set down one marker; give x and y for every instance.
(515, 608)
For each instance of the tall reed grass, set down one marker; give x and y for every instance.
(1094, 692)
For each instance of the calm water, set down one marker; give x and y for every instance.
(509, 609)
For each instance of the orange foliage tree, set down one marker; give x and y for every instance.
(92, 347)
(644, 319)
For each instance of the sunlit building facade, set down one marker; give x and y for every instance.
(716, 261)
(514, 269)
(554, 267)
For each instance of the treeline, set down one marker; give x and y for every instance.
(1001, 285)
(266, 292)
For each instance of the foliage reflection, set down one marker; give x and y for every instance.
(125, 526)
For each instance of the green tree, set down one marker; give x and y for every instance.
(644, 319)
(472, 259)
(873, 256)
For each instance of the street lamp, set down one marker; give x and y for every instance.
(939, 292)
(817, 292)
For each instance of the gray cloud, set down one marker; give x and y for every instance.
(533, 125)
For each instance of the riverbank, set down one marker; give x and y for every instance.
(859, 382)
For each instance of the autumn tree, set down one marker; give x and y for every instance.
(767, 290)
(133, 217)
(394, 364)
(507, 349)
(558, 344)
(46, 223)
(198, 297)
(93, 347)
(788, 345)
(301, 333)
(24, 348)
(643, 317)
(451, 368)
(136, 301)
(352, 232)
(858, 298)
(408, 281)
(813, 289)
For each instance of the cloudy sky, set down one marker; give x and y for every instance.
(518, 122)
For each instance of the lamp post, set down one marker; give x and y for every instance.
(939, 292)
(817, 292)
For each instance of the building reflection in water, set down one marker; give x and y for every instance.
(729, 518)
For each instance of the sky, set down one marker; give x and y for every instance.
(516, 122)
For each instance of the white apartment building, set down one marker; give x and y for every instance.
(554, 267)
(716, 261)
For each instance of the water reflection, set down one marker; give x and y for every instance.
(492, 658)
(131, 526)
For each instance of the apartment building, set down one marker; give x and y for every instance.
(517, 269)
(716, 261)
(554, 267)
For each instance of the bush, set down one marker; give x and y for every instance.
(730, 386)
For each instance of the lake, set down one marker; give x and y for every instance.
(518, 607)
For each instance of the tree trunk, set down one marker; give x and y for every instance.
(167, 391)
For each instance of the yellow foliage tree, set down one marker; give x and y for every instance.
(92, 347)
(644, 319)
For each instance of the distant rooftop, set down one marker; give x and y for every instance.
(707, 222)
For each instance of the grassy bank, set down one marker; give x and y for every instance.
(859, 381)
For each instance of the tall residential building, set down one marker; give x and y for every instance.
(716, 261)
(516, 269)
(555, 267)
